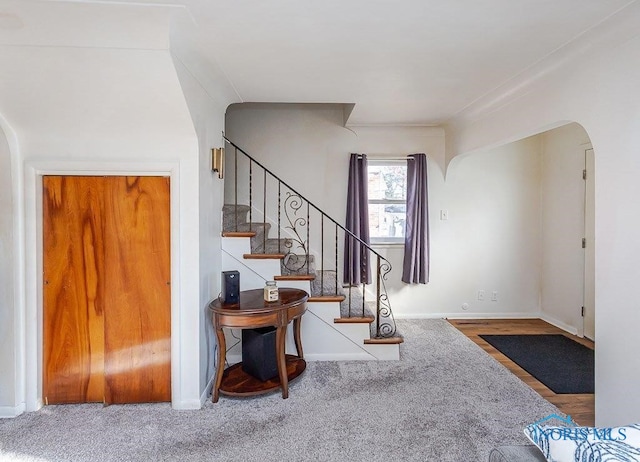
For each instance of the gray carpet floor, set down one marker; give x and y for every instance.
(445, 400)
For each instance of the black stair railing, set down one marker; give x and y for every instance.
(294, 216)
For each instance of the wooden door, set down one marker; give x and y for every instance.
(138, 314)
(73, 317)
(107, 329)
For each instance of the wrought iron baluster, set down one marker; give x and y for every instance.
(279, 186)
(235, 174)
(379, 281)
(321, 254)
(264, 212)
(350, 277)
(363, 297)
(336, 289)
(250, 193)
(308, 242)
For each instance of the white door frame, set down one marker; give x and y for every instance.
(31, 328)
(588, 319)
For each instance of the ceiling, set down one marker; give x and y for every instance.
(402, 62)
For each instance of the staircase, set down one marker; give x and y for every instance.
(272, 237)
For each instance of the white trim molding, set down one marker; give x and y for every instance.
(31, 323)
(474, 315)
(9, 412)
(559, 324)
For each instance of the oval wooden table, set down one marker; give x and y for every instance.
(250, 313)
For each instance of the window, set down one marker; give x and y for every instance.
(387, 190)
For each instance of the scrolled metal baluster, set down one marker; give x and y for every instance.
(378, 278)
(387, 321)
(292, 204)
(250, 193)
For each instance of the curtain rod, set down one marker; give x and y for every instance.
(388, 157)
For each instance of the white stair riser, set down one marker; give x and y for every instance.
(321, 342)
(357, 332)
(302, 285)
(236, 246)
(384, 352)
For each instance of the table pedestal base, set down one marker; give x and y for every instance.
(236, 382)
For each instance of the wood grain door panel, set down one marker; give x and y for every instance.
(107, 306)
(138, 318)
(73, 321)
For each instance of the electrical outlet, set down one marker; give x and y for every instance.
(481, 295)
(494, 296)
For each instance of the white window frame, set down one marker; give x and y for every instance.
(386, 241)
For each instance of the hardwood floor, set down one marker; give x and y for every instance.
(579, 407)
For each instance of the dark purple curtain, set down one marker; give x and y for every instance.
(356, 255)
(415, 268)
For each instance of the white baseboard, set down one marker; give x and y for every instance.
(35, 405)
(474, 315)
(559, 324)
(190, 405)
(8, 412)
(523, 315)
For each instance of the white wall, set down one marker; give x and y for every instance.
(563, 226)
(595, 86)
(282, 135)
(104, 103)
(8, 347)
(207, 114)
(491, 240)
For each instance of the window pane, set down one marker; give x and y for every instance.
(387, 182)
(387, 220)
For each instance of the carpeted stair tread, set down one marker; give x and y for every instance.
(229, 216)
(294, 264)
(229, 208)
(261, 245)
(325, 284)
(255, 227)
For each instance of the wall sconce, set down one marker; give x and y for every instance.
(217, 161)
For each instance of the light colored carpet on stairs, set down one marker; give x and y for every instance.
(445, 400)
